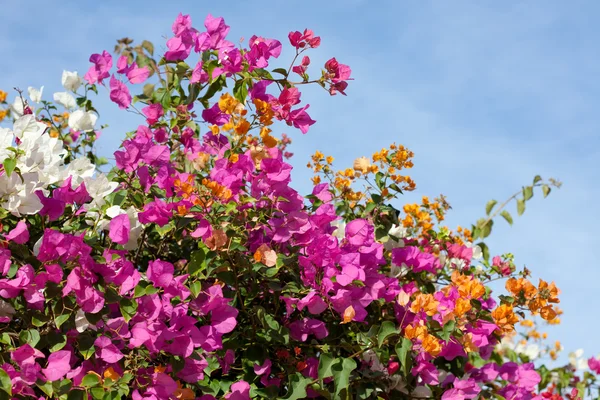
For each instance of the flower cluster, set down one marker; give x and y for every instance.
(194, 270)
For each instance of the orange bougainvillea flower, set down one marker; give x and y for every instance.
(425, 302)
(415, 332)
(218, 239)
(264, 254)
(505, 318)
(348, 315)
(548, 292)
(111, 374)
(431, 345)
(182, 393)
(521, 287)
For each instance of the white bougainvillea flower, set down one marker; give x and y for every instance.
(71, 81)
(98, 188)
(79, 169)
(340, 231)
(576, 360)
(66, 100)
(17, 107)
(19, 198)
(6, 140)
(530, 350)
(477, 253)
(35, 94)
(82, 120)
(81, 322)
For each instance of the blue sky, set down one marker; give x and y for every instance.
(487, 95)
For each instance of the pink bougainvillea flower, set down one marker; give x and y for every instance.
(153, 113)
(239, 391)
(301, 69)
(20, 234)
(199, 75)
(301, 40)
(100, 70)
(119, 229)
(119, 93)
(106, 350)
(160, 273)
(134, 73)
(213, 115)
(300, 119)
(59, 363)
(217, 31)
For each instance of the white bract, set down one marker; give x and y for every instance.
(71, 81)
(82, 121)
(98, 188)
(65, 99)
(35, 94)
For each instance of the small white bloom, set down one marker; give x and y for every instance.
(340, 232)
(82, 121)
(477, 253)
(81, 322)
(397, 231)
(79, 169)
(6, 140)
(576, 361)
(17, 107)
(71, 81)
(28, 128)
(530, 350)
(34, 94)
(65, 99)
(98, 188)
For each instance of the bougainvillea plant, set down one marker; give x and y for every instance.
(194, 270)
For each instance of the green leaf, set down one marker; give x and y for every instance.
(536, 179)
(520, 206)
(387, 329)
(31, 336)
(297, 385)
(546, 190)
(90, 380)
(57, 341)
(341, 374)
(240, 90)
(148, 89)
(61, 319)
(149, 47)
(281, 71)
(489, 206)
(76, 395)
(527, 192)
(197, 264)
(486, 230)
(5, 382)
(447, 330)
(507, 216)
(128, 308)
(214, 87)
(9, 165)
(325, 363)
(97, 393)
(484, 250)
(194, 93)
(403, 350)
(86, 346)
